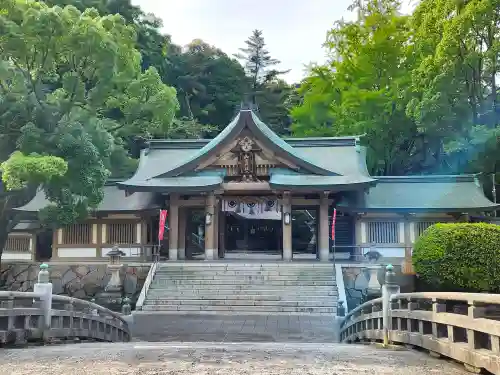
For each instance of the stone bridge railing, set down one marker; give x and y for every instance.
(461, 326)
(40, 316)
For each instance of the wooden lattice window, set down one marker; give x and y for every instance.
(77, 234)
(121, 233)
(383, 232)
(421, 226)
(17, 244)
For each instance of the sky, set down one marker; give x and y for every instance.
(294, 30)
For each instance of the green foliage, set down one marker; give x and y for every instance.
(423, 88)
(459, 257)
(264, 87)
(19, 169)
(210, 85)
(72, 92)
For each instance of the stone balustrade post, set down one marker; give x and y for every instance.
(340, 308)
(126, 308)
(93, 310)
(389, 288)
(44, 287)
(127, 312)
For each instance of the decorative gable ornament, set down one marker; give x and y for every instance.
(246, 160)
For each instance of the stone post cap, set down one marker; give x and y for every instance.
(390, 275)
(43, 274)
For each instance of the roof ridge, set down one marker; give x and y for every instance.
(428, 178)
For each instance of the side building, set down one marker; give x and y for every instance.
(248, 190)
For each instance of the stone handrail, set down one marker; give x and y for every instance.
(30, 316)
(147, 284)
(461, 326)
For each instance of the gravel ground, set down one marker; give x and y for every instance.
(146, 358)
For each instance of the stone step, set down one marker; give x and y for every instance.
(252, 294)
(251, 301)
(288, 271)
(240, 309)
(222, 293)
(253, 287)
(249, 291)
(279, 275)
(246, 277)
(246, 281)
(240, 265)
(241, 302)
(243, 289)
(284, 271)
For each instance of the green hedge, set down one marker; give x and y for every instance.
(459, 257)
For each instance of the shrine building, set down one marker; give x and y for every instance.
(249, 191)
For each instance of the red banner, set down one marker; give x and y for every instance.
(334, 218)
(161, 225)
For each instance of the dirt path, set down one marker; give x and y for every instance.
(146, 358)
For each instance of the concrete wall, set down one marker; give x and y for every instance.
(74, 280)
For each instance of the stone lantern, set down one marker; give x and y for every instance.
(114, 266)
(111, 297)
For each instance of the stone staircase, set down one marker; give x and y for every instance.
(243, 288)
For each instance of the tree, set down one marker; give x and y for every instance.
(71, 91)
(265, 88)
(362, 90)
(422, 88)
(258, 62)
(455, 86)
(209, 83)
(459, 257)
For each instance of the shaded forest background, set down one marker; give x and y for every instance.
(84, 84)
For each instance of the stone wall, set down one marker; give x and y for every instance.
(356, 283)
(79, 281)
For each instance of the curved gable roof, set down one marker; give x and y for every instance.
(245, 118)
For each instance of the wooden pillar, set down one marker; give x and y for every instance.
(324, 238)
(182, 233)
(209, 227)
(408, 263)
(222, 235)
(215, 228)
(173, 223)
(287, 226)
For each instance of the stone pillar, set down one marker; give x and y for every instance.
(209, 227)
(182, 233)
(44, 287)
(286, 219)
(173, 228)
(390, 287)
(324, 238)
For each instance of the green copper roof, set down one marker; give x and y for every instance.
(245, 118)
(183, 184)
(313, 182)
(115, 200)
(315, 156)
(424, 193)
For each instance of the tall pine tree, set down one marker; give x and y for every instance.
(265, 89)
(258, 64)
